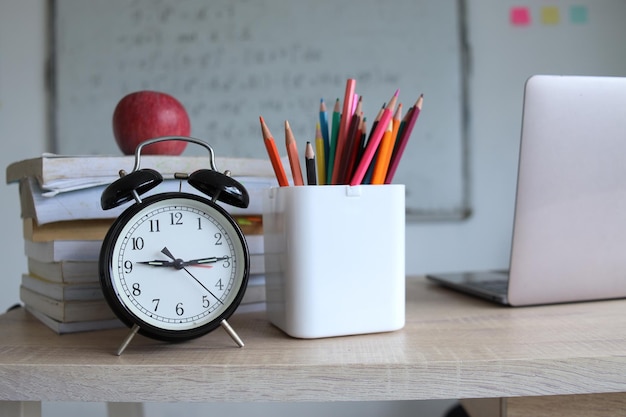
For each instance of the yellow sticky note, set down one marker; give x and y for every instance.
(550, 15)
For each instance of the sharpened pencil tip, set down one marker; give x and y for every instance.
(420, 101)
(309, 153)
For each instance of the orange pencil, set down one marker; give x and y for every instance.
(378, 177)
(386, 148)
(292, 153)
(397, 121)
(270, 145)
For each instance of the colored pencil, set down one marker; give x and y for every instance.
(386, 148)
(325, 133)
(403, 139)
(353, 140)
(309, 158)
(344, 172)
(370, 169)
(380, 168)
(272, 151)
(374, 141)
(320, 158)
(362, 142)
(355, 103)
(344, 126)
(361, 136)
(330, 158)
(401, 129)
(292, 153)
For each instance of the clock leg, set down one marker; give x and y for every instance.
(127, 340)
(232, 333)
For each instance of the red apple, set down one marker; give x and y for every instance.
(146, 115)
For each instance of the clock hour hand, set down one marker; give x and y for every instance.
(175, 262)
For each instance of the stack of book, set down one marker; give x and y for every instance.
(61, 287)
(254, 299)
(64, 225)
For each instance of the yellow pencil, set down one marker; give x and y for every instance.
(320, 155)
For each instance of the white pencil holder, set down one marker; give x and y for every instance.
(335, 259)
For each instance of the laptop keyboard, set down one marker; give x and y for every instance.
(496, 285)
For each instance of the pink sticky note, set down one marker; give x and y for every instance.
(519, 16)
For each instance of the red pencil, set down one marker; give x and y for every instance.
(349, 150)
(351, 143)
(362, 142)
(359, 139)
(270, 145)
(403, 139)
(344, 126)
(374, 141)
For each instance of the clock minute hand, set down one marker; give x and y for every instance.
(178, 263)
(157, 262)
(202, 261)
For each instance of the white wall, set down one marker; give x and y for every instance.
(22, 123)
(495, 103)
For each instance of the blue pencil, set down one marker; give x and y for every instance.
(324, 126)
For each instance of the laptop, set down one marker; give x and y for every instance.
(569, 231)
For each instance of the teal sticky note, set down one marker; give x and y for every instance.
(578, 14)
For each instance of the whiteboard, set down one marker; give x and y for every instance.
(231, 61)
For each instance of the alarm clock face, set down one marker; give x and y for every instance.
(175, 264)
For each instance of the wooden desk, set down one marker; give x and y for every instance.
(453, 346)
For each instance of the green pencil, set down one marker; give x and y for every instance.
(330, 159)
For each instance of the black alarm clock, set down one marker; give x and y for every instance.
(174, 266)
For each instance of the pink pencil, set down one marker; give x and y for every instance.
(402, 141)
(374, 141)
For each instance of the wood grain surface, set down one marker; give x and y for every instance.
(453, 346)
